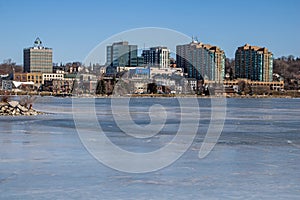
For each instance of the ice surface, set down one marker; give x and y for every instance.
(257, 156)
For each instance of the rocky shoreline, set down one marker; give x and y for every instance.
(14, 108)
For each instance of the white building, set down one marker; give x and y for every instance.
(167, 71)
(52, 76)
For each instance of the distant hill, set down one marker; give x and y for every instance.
(287, 67)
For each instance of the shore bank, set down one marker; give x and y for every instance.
(286, 94)
(14, 108)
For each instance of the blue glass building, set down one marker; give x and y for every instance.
(254, 63)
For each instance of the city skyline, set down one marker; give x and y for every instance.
(73, 29)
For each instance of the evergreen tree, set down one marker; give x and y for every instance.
(101, 87)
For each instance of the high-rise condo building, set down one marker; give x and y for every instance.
(201, 61)
(38, 58)
(121, 54)
(157, 57)
(254, 63)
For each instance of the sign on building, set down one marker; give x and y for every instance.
(7, 85)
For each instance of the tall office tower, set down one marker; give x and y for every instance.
(201, 61)
(121, 54)
(38, 58)
(254, 63)
(157, 56)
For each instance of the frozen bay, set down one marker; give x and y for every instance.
(256, 157)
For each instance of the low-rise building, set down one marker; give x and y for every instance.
(35, 77)
(52, 76)
(168, 71)
(274, 85)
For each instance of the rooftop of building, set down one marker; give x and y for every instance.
(38, 48)
(255, 48)
(158, 47)
(38, 45)
(121, 43)
(196, 44)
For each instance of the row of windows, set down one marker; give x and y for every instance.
(40, 65)
(53, 75)
(39, 53)
(28, 77)
(40, 59)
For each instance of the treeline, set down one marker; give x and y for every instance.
(287, 67)
(7, 67)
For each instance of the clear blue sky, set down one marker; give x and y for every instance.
(73, 28)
